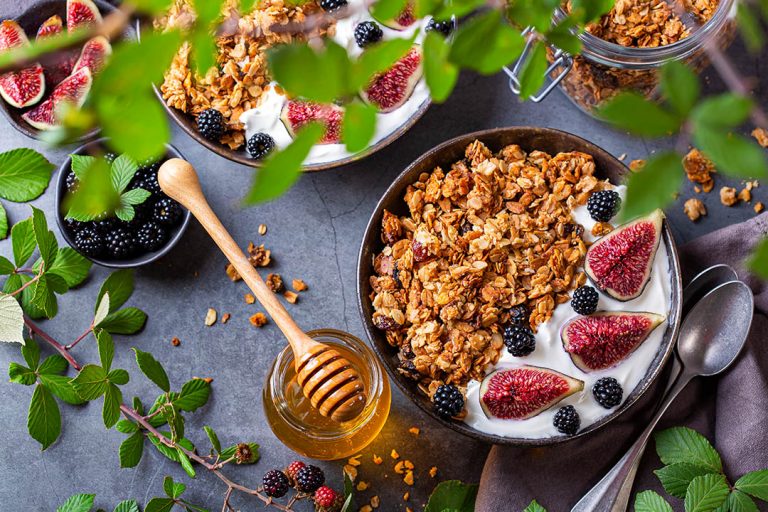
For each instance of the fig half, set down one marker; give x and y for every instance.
(72, 90)
(402, 20)
(19, 88)
(524, 392)
(604, 339)
(82, 13)
(296, 114)
(61, 67)
(94, 55)
(620, 263)
(389, 90)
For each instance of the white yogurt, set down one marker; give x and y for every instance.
(549, 353)
(266, 117)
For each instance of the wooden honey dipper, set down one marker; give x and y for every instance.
(328, 380)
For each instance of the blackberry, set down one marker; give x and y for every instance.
(73, 226)
(120, 244)
(519, 340)
(607, 392)
(367, 33)
(309, 478)
(167, 212)
(260, 145)
(584, 300)
(518, 315)
(89, 241)
(448, 401)
(332, 5)
(444, 27)
(275, 483)
(105, 225)
(151, 236)
(147, 179)
(110, 157)
(71, 181)
(210, 124)
(567, 420)
(603, 205)
(293, 469)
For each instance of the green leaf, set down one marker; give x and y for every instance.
(126, 426)
(102, 310)
(44, 297)
(706, 493)
(654, 186)
(135, 196)
(3, 224)
(194, 394)
(534, 71)
(150, 7)
(57, 283)
(24, 174)
(186, 463)
(53, 365)
(127, 505)
(229, 452)
(680, 86)
(106, 347)
(676, 477)
(159, 505)
(650, 501)
(43, 418)
(70, 266)
(173, 489)
(152, 369)
(376, 59)
(740, 502)
(291, 64)
(30, 309)
(11, 320)
(733, 154)
(349, 494)
(283, 168)
(632, 112)
(458, 8)
(61, 387)
(110, 412)
(119, 285)
(81, 163)
(535, 13)
(486, 43)
(118, 376)
(20, 374)
(122, 171)
(758, 261)
(124, 321)
(204, 50)
(682, 444)
(46, 241)
(725, 111)
(23, 241)
(452, 495)
(77, 503)
(95, 194)
(534, 507)
(6, 267)
(137, 125)
(590, 10)
(385, 10)
(131, 450)
(170, 453)
(564, 36)
(91, 382)
(31, 353)
(359, 126)
(125, 212)
(749, 24)
(213, 438)
(754, 484)
(439, 73)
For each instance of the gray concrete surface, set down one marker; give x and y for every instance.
(314, 233)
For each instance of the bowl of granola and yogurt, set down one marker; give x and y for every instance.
(500, 292)
(251, 104)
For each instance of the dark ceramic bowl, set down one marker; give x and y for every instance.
(61, 189)
(30, 20)
(545, 139)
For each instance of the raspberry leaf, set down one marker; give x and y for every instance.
(377, 58)
(44, 297)
(113, 397)
(632, 112)
(6, 267)
(44, 238)
(61, 387)
(387, 9)
(654, 186)
(70, 266)
(682, 444)
(534, 507)
(91, 382)
(706, 493)
(106, 347)
(738, 502)
(590, 10)
(194, 394)
(173, 489)
(31, 353)
(734, 154)
(131, 450)
(755, 484)
(650, 501)
(452, 495)
(213, 438)
(758, 262)
(20, 374)
(124, 321)
(680, 86)
(3, 223)
(122, 171)
(80, 163)
(23, 241)
(53, 365)
(358, 126)
(24, 174)
(486, 43)
(159, 505)
(43, 418)
(78, 503)
(676, 477)
(186, 463)
(152, 369)
(534, 71)
(440, 74)
(229, 452)
(94, 195)
(119, 285)
(290, 65)
(127, 505)
(11, 320)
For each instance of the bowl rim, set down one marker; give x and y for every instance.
(31, 132)
(407, 388)
(132, 263)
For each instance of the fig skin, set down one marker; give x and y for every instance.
(22, 88)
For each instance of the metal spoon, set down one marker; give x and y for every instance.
(711, 337)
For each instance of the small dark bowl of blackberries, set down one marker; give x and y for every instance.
(144, 227)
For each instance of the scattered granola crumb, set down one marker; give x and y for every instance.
(376, 459)
(636, 165)
(275, 283)
(394, 454)
(290, 296)
(262, 229)
(408, 478)
(698, 168)
(225, 318)
(694, 209)
(259, 256)
(175, 341)
(433, 471)
(258, 319)
(206, 379)
(354, 461)
(400, 467)
(414, 430)
(351, 471)
(728, 196)
(406, 496)
(299, 285)
(375, 502)
(232, 273)
(745, 195)
(697, 189)
(365, 508)
(761, 136)
(249, 298)
(361, 485)
(601, 228)
(210, 317)
(759, 207)
(622, 157)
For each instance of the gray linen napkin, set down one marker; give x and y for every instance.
(732, 411)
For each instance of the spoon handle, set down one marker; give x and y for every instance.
(612, 493)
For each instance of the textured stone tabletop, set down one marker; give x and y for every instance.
(314, 234)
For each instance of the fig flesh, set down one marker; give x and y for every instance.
(50, 27)
(65, 59)
(296, 114)
(403, 20)
(524, 392)
(389, 90)
(81, 14)
(604, 339)
(94, 55)
(620, 263)
(72, 90)
(27, 86)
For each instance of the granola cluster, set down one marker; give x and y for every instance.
(491, 232)
(240, 78)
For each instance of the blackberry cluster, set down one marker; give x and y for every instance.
(166, 211)
(518, 315)
(71, 181)
(367, 33)
(567, 420)
(89, 241)
(275, 483)
(332, 5)
(603, 205)
(120, 243)
(444, 27)
(151, 236)
(448, 401)
(210, 124)
(519, 340)
(608, 392)
(584, 300)
(309, 479)
(260, 145)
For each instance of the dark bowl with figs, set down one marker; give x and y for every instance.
(552, 142)
(158, 222)
(30, 97)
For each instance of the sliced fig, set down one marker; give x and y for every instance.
(94, 54)
(403, 20)
(620, 263)
(391, 89)
(296, 114)
(50, 27)
(72, 90)
(81, 13)
(61, 68)
(524, 392)
(19, 88)
(604, 339)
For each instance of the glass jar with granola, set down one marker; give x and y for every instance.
(625, 48)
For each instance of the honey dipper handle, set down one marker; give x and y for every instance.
(179, 181)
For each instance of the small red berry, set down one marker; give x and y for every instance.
(325, 496)
(293, 469)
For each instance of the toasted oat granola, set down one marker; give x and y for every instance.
(694, 209)
(728, 196)
(699, 169)
(492, 232)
